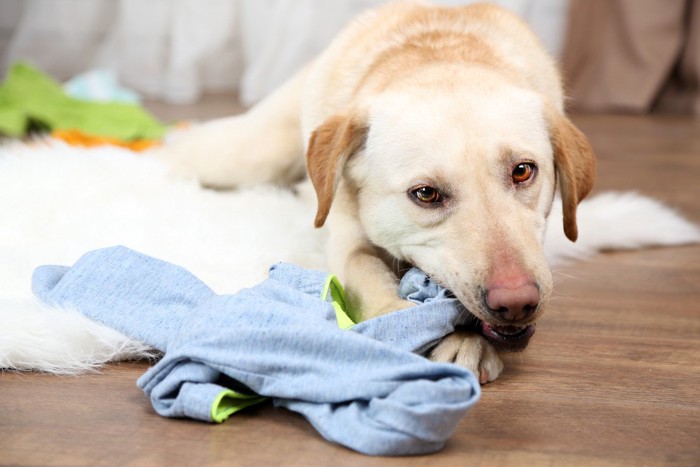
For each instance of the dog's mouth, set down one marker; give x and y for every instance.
(504, 337)
(507, 338)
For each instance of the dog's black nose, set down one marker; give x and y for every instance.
(513, 305)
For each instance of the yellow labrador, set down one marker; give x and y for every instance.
(434, 137)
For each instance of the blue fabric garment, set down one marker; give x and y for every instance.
(363, 388)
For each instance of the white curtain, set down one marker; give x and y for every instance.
(175, 50)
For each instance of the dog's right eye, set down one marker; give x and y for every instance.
(426, 195)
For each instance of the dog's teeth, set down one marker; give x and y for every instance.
(508, 338)
(507, 330)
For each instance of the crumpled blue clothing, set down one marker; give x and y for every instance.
(364, 389)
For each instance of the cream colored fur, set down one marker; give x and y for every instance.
(414, 95)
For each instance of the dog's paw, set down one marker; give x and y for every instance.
(471, 351)
(234, 152)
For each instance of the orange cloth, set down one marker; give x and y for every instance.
(78, 138)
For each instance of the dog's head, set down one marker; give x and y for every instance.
(460, 184)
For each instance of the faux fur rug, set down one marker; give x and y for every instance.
(59, 202)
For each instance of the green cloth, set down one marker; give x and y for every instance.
(29, 97)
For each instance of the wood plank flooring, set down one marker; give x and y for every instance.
(612, 376)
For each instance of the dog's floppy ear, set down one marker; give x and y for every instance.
(330, 146)
(574, 161)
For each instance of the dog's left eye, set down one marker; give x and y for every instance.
(426, 195)
(523, 172)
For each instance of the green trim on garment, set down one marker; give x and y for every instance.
(337, 295)
(229, 402)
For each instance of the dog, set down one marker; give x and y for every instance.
(434, 137)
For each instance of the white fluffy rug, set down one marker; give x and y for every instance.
(59, 202)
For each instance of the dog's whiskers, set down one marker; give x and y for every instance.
(467, 317)
(556, 294)
(561, 272)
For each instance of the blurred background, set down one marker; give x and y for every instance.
(632, 56)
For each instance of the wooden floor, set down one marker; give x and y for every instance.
(612, 376)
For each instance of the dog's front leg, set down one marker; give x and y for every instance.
(370, 283)
(471, 351)
(371, 286)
